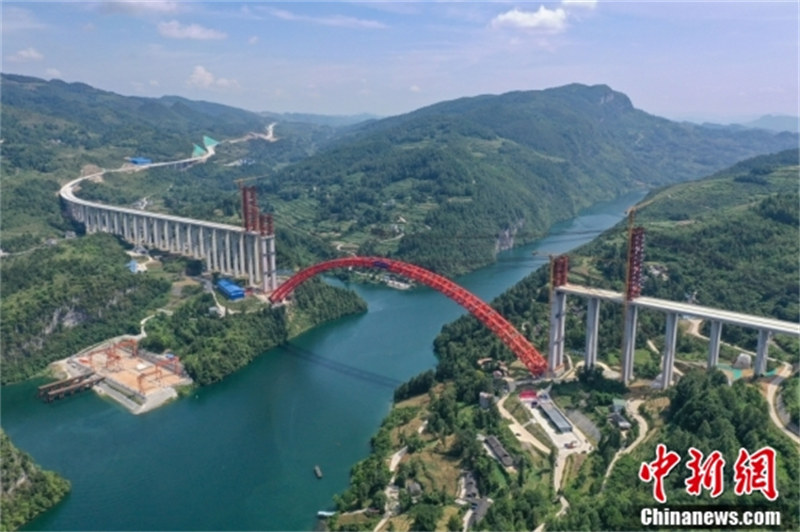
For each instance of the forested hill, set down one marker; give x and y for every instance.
(732, 241)
(27, 490)
(728, 241)
(49, 124)
(445, 186)
(450, 178)
(52, 129)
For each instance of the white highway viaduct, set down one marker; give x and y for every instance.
(227, 249)
(765, 327)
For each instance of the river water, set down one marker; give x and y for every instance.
(239, 455)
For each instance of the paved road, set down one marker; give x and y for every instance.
(633, 409)
(772, 388)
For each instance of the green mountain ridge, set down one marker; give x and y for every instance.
(732, 237)
(476, 167)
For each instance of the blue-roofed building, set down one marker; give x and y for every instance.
(140, 160)
(555, 416)
(231, 290)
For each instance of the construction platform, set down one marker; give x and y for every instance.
(137, 379)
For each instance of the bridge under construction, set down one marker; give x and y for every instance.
(249, 251)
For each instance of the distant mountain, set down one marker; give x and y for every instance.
(52, 129)
(777, 123)
(321, 120)
(446, 185)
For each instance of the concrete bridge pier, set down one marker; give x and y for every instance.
(629, 342)
(558, 316)
(592, 324)
(764, 336)
(670, 338)
(713, 344)
(273, 276)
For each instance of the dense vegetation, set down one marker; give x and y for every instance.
(27, 490)
(726, 241)
(437, 455)
(730, 248)
(445, 186)
(52, 129)
(707, 413)
(211, 347)
(62, 298)
(718, 237)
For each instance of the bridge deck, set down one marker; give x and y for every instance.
(688, 309)
(68, 193)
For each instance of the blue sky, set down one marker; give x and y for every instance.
(714, 60)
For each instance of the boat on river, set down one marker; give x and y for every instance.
(318, 471)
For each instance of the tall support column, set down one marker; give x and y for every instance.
(228, 254)
(176, 237)
(557, 322)
(273, 275)
(241, 254)
(189, 242)
(592, 324)
(254, 262)
(126, 226)
(629, 342)
(762, 349)
(206, 249)
(248, 261)
(713, 344)
(146, 230)
(136, 230)
(264, 264)
(165, 240)
(214, 251)
(670, 338)
(181, 238)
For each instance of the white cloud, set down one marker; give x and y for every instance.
(204, 79)
(544, 19)
(201, 77)
(414, 88)
(154, 83)
(226, 83)
(339, 21)
(53, 72)
(252, 40)
(175, 30)
(26, 56)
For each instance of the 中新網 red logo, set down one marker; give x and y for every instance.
(751, 472)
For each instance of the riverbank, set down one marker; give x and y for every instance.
(246, 445)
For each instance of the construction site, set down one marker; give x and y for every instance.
(137, 379)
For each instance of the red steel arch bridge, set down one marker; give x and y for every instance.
(510, 336)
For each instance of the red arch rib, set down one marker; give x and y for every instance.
(486, 314)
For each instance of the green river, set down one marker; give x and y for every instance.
(239, 455)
